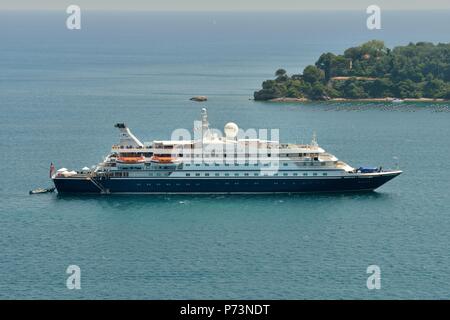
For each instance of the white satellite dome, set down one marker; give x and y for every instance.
(231, 130)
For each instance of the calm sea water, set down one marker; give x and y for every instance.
(61, 92)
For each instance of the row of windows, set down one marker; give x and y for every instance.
(117, 174)
(232, 155)
(217, 174)
(159, 174)
(255, 164)
(246, 174)
(205, 174)
(225, 183)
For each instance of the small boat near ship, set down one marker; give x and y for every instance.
(214, 164)
(42, 190)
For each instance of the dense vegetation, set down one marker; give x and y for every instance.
(418, 70)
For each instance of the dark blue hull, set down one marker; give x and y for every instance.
(229, 185)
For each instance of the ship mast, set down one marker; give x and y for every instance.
(314, 140)
(205, 125)
(126, 137)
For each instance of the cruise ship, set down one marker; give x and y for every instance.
(212, 163)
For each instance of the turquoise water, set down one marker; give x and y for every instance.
(61, 92)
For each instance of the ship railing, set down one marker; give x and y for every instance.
(121, 147)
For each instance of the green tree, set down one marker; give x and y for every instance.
(375, 48)
(354, 90)
(340, 66)
(408, 89)
(297, 77)
(280, 72)
(381, 88)
(282, 78)
(312, 74)
(268, 84)
(447, 93)
(325, 63)
(318, 92)
(435, 88)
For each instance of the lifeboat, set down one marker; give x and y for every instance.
(163, 159)
(140, 159)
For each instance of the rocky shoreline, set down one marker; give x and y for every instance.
(388, 99)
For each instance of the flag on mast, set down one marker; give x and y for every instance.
(52, 168)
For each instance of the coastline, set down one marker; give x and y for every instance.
(370, 72)
(388, 99)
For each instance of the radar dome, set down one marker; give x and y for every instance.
(231, 130)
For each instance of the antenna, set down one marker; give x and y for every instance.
(397, 165)
(205, 127)
(205, 124)
(314, 140)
